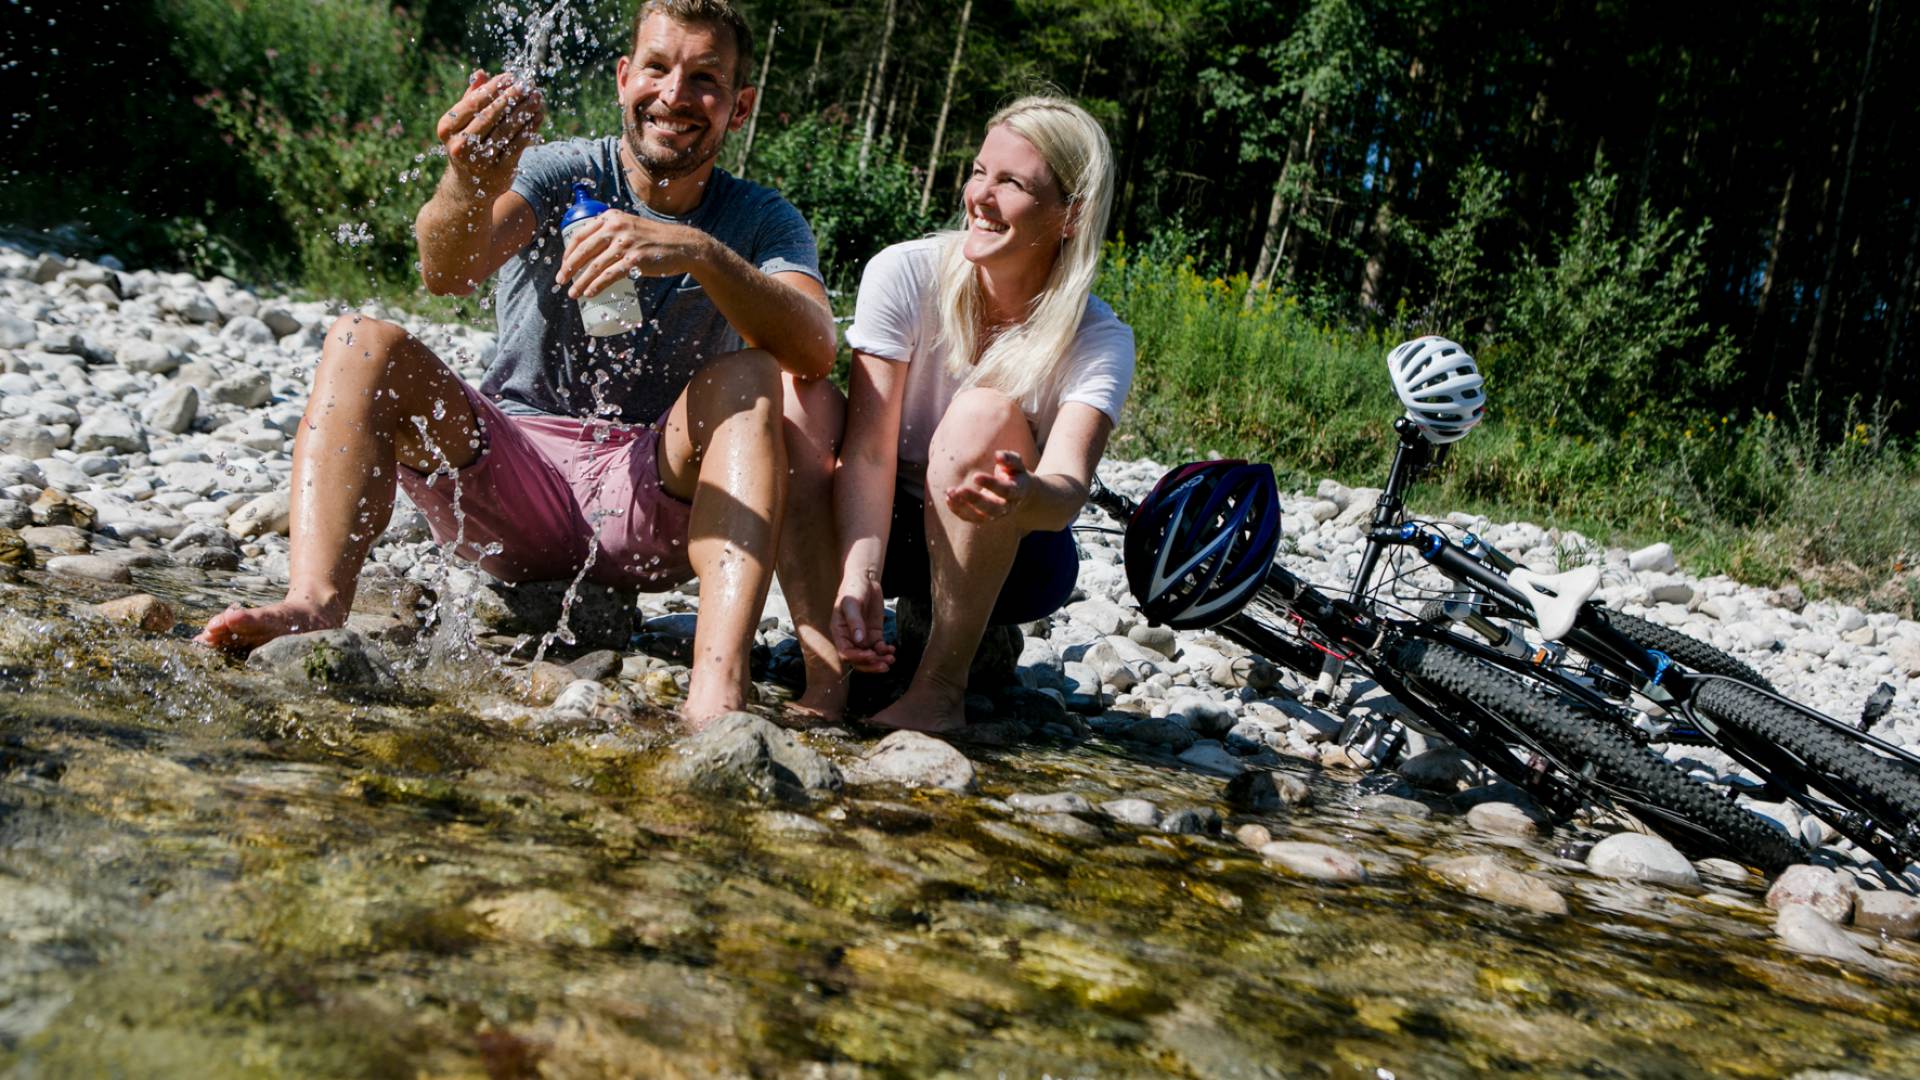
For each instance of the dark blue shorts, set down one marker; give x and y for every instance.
(1039, 583)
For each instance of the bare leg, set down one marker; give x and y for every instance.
(373, 379)
(724, 452)
(969, 561)
(809, 562)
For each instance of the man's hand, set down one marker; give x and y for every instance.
(859, 617)
(617, 244)
(487, 129)
(990, 496)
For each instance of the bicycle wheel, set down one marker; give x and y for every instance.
(1592, 755)
(1882, 795)
(1690, 653)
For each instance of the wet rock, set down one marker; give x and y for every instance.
(1393, 806)
(1829, 892)
(14, 514)
(1632, 856)
(1262, 791)
(15, 552)
(742, 751)
(1503, 819)
(1155, 731)
(269, 514)
(207, 558)
(1253, 835)
(1211, 757)
(1894, 914)
(1490, 879)
(601, 617)
(1061, 802)
(1192, 821)
(596, 666)
(584, 700)
(92, 567)
(1804, 930)
(340, 659)
(1033, 709)
(61, 539)
(1063, 825)
(1138, 812)
(913, 759)
(1321, 862)
(545, 917)
(56, 508)
(543, 680)
(149, 613)
(1444, 769)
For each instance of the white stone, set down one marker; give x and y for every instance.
(1633, 856)
(1321, 862)
(1804, 930)
(1653, 557)
(268, 514)
(1830, 892)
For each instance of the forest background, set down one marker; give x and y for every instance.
(1681, 238)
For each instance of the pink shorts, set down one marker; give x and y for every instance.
(549, 492)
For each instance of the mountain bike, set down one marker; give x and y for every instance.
(1521, 720)
(1866, 788)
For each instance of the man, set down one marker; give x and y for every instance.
(647, 457)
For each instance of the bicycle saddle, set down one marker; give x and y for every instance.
(1556, 598)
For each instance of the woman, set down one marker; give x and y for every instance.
(986, 379)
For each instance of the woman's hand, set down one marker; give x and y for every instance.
(990, 496)
(617, 244)
(858, 625)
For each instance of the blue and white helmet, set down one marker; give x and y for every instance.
(1199, 546)
(1440, 385)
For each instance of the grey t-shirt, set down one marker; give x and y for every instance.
(549, 364)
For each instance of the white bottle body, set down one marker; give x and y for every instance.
(614, 309)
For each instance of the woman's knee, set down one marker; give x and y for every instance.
(977, 423)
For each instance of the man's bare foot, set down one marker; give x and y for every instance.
(820, 704)
(934, 710)
(239, 630)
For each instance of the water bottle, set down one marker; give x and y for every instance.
(614, 309)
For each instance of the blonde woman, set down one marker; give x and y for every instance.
(986, 380)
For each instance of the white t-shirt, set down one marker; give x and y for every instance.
(895, 318)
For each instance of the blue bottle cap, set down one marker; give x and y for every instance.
(584, 206)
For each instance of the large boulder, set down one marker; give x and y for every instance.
(340, 660)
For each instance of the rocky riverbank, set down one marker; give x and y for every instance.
(146, 422)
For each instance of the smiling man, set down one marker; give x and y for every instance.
(643, 458)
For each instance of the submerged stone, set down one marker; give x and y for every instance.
(330, 659)
(740, 751)
(1490, 879)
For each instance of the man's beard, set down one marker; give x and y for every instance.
(663, 165)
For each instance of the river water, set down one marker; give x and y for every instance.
(203, 873)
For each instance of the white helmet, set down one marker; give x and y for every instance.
(1440, 386)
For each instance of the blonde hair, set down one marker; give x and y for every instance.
(1026, 361)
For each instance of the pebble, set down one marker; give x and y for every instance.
(1321, 862)
(1490, 879)
(1503, 819)
(914, 760)
(93, 567)
(1063, 802)
(1211, 757)
(1393, 806)
(1632, 856)
(1262, 790)
(149, 613)
(1829, 892)
(1804, 930)
(1132, 812)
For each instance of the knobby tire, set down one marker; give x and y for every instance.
(1876, 786)
(1573, 735)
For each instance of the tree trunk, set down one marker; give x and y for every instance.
(946, 103)
(879, 83)
(759, 99)
(886, 122)
(1286, 228)
(1896, 319)
(1840, 212)
(813, 70)
(906, 120)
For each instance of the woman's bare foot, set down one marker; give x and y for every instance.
(703, 708)
(820, 704)
(240, 630)
(932, 709)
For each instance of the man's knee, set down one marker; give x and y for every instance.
(815, 418)
(366, 348)
(737, 382)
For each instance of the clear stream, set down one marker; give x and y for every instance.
(205, 874)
